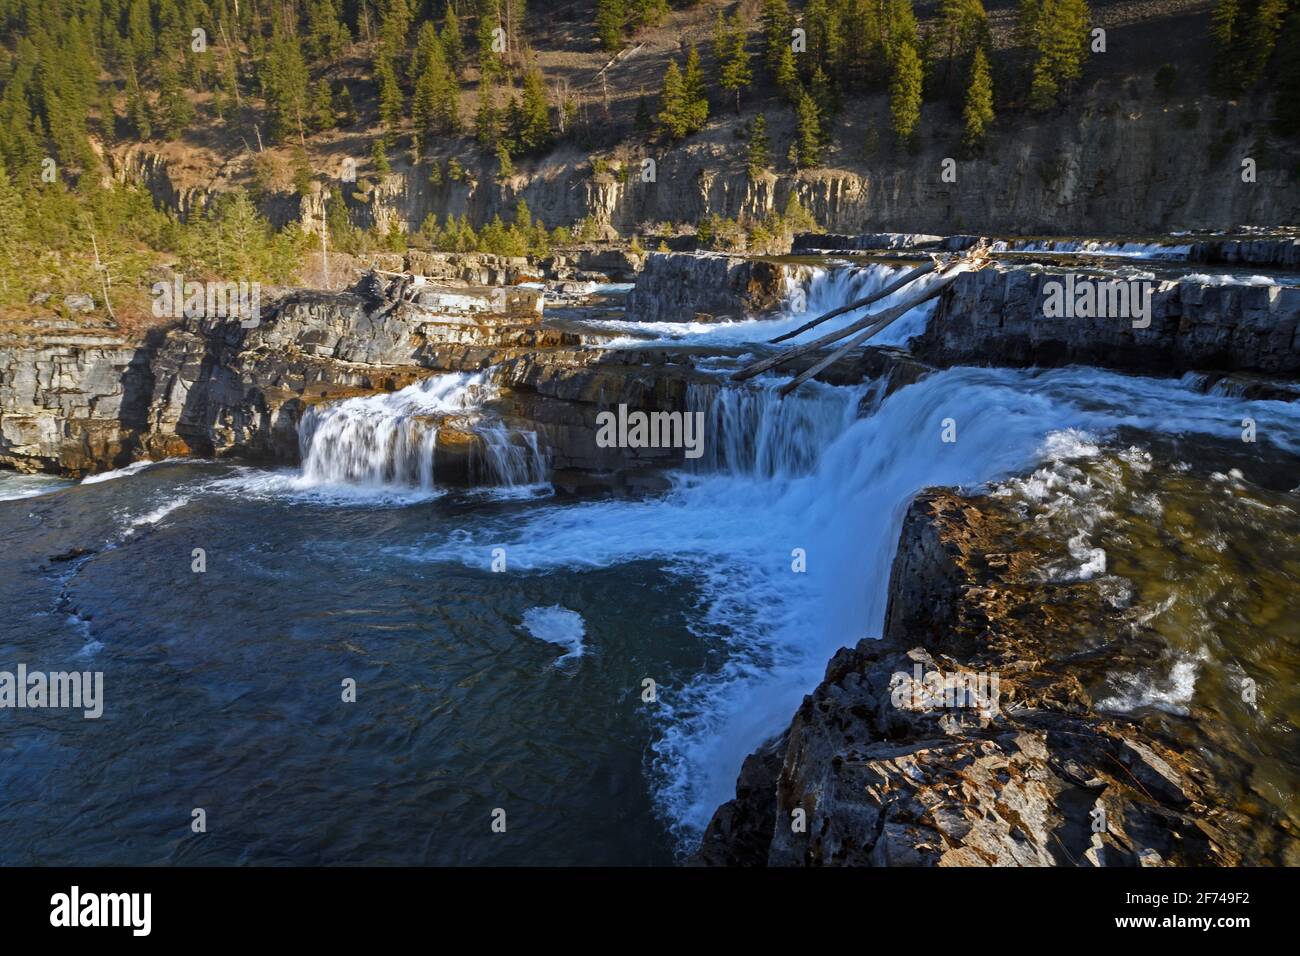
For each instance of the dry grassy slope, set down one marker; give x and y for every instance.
(1119, 160)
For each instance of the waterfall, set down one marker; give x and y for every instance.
(808, 479)
(751, 430)
(809, 291)
(512, 458)
(392, 439)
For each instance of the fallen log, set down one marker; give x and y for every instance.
(974, 259)
(874, 297)
(888, 315)
(864, 335)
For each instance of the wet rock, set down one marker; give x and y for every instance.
(875, 769)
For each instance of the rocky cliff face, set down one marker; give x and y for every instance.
(1116, 163)
(71, 401)
(880, 767)
(997, 317)
(211, 387)
(709, 286)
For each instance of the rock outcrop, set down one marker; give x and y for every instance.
(708, 286)
(884, 766)
(997, 317)
(1113, 159)
(77, 403)
(71, 401)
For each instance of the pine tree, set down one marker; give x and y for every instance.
(391, 102)
(963, 26)
(734, 59)
(322, 106)
(328, 36)
(394, 24)
(490, 63)
(435, 104)
(1245, 34)
(534, 133)
(487, 120)
(648, 13)
(810, 133)
(140, 38)
(644, 121)
(452, 44)
(379, 157)
(905, 93)
(1224, 29)
(695, 95)
(673, 114)
(787, 76)
(978, 112)
(174, 109)
(13, 234)
(825, 35)
(1058, 33)
(346, 108)
(137, 108)
(900, 29)
(285, 80)
(757, 156)
(824, 94)
(611, 20)
(776, 23)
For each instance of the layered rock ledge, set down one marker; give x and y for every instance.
(875, 771)
(997, 317)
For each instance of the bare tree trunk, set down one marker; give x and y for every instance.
(876, 296)
(976, 259)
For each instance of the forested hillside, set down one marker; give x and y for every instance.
(323, 98)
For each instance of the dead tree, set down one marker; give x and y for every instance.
(869, 325)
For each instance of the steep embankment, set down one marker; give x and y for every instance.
(1117, 164)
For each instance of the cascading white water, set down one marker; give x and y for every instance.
(809, 293)
(753, 431)
(513, 458)
(392, 439)
(835, 487)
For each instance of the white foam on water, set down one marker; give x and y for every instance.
(1127, 250)
(730, 533)
(132, 469)
(288, 484)
(156, 515)
(1170, 692)
(1202, 278)
(557, 625)
(14, 487)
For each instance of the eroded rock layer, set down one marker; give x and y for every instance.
(876, 769)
